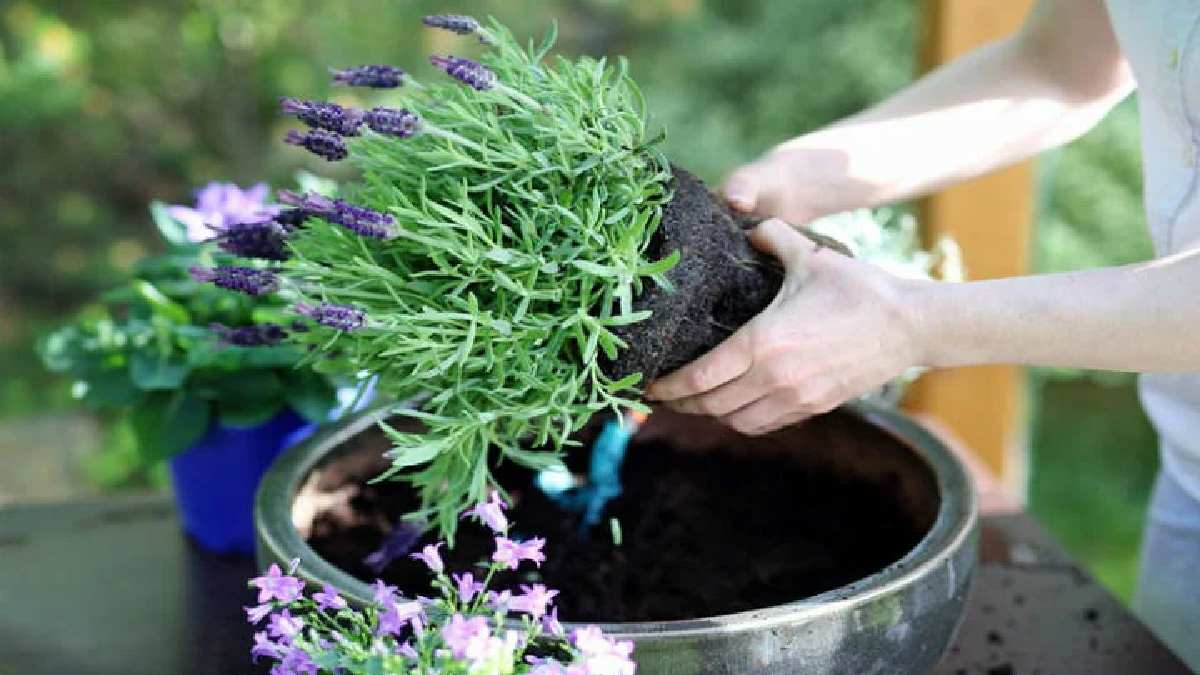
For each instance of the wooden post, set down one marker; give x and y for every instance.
(990, 218)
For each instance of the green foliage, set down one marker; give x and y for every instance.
(522, 213)
(147, 350)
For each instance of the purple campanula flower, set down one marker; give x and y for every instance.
(329, 598)
(378, 77)
(408, 651)
(323, 115)
(399, 122)
(246, 280)
(510, 553)
(430, 556)
(552, 625)
(341, 317)
(263, 646)
(297, 662)
(467, 587)
(397, 615)
(471, 73)
(455, 23)
(219, 205)
(548, 667)
(264, 239)
(600, 654)
(463, 636)
(257, 613)
(277, 585)
(535, 600)
(324, 144)
(385, 595)
(498, 601)
(398, 542)
(491, 513)
(256, 335)
(284, 625)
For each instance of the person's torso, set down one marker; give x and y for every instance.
(1161, 40)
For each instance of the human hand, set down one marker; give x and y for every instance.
(791, 182)
(838, 328)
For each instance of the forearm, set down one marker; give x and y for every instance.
(1141, 317)
(998, 105)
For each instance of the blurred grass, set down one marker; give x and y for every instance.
(1094, 462)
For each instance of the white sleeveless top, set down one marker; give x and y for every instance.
(1161, 40)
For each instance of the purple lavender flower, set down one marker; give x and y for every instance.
(398, 542)
(358, 219)
(399, 122)
(263, 646)
(319, 142)
(257, 613)
(491, 513)
(467, 586)
(275, 584)
(463, 636)
(219, 205)
(323, 115)
(455, 23)
(471, 73)
(263, 239)
(377, 77)
(510, 553)
(292, 219)
(535, 600)
(329, 598)
(256, 335)
(246, 280)
(340, 317)
(430, 556)
(393, 619)
(284, 625)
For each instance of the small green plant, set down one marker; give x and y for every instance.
(177, 355)
(495, 236)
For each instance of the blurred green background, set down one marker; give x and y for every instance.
(108, 104)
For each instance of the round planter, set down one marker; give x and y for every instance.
(897, 620)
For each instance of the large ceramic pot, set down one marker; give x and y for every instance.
(899, 619)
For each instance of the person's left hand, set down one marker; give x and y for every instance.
(838, 328)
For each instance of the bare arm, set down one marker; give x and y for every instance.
(1038, 89)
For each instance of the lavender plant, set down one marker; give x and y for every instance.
(468, 629)
(495, 236)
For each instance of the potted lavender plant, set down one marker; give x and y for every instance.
(203, 376)
(515, 256)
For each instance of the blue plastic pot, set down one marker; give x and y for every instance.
(216, 478)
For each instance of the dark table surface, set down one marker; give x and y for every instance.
(112, 587)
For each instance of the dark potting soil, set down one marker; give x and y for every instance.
(720, 283)
(703, 534)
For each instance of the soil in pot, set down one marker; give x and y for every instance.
(703, 534)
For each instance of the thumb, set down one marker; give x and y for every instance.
(742, 188)
(777, 238)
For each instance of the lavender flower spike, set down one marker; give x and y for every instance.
(319, 142)
(455, 23)
(471, 73)
(322, 115)
(263, 239)
(376, 77)
(358, 219)
(340, 317)
(397, 122)
(246, 280)
(258, 335)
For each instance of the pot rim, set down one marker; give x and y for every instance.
(957, 515)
